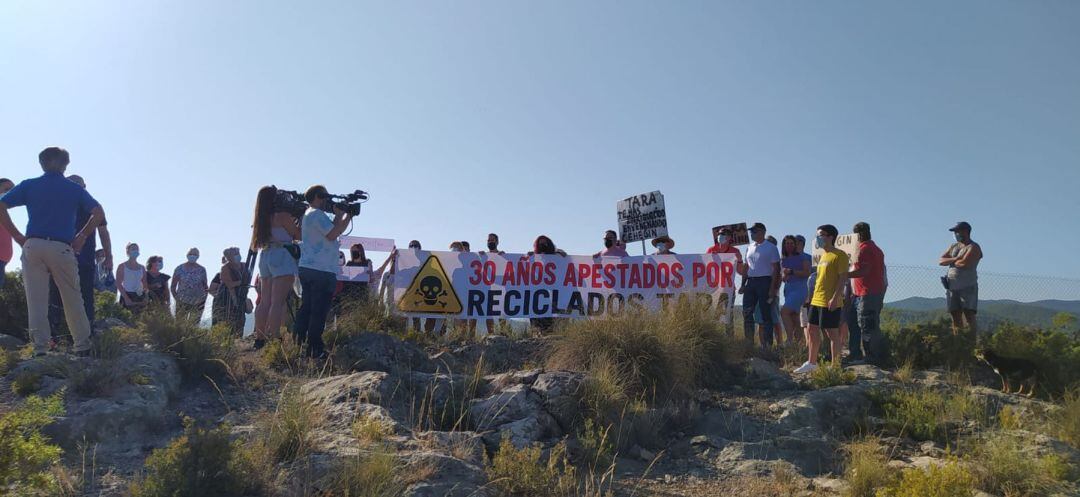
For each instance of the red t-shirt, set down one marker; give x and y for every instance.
(715, 249)
(6, 250)
(871, 262)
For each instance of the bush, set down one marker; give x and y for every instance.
(13, 313)
(370, 430)
(520, 472)
(1004, 466)
(928, 345)
(8, 360)
(203, 463)
(1056, 353)
(26, 383)
(291, 429)
(831, 376)
(94, 379)
(928, 414)
(950, 480)
(26, 456)
(107, 305)
(865, 469)
(360, 316)
(200, 352)
(1065, 422)
(377, 474)
(660, 356)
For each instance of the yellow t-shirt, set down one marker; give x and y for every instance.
(830, 267)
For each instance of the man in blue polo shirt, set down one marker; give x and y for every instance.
(50, 243)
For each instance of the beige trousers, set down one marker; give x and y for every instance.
(40, 259)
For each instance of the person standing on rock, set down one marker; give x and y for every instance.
(189, 288)
(762, 271)
(795, 269)
(494, 326)
(826, 302)
(962, 281)
(49, 246)
(868, 284)
(274, 232)
(7, 249)
(88, 267)
(319, 268)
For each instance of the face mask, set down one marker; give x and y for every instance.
(134, 254)
(820, 241)
(958, 236)
(237, 258)
(493, 246)
(661, 246)
(192, 258)
(608, 242)
(355, 255)
(721, 240)
(161, 266)
(414, 247)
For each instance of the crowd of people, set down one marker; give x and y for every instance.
(835, 299)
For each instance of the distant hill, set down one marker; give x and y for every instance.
(1038, 313)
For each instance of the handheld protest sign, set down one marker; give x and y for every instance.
(370, 244)
(642, 217)
(848, 244)
(740, 235)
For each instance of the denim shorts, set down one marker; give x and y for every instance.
(275, 261)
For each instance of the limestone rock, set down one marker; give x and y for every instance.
(381, 352)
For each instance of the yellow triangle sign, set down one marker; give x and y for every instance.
(430, 291)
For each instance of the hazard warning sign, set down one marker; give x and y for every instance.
(431, 291)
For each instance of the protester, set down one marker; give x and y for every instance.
(357, 291)
(457, 247)
(795, 269)
(7, 249)
(962, 280)
(157, 283)
(465, 247)
(827, 299)
(104, 281)
(612, 246)
(229, 303)
(762, 271)
(52, 239)
(427, 325)
(543, 245)
(131, 281)
(663, 245)
(725, 244)
(189, 288)
(494, 326)
(274, 234)
(868, 284)
(318, 269)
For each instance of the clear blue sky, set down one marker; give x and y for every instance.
(536, 117)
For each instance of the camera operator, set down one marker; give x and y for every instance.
(319, 268)
(273, 233)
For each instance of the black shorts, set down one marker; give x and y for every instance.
(823, 318)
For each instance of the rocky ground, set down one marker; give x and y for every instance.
(444, 410)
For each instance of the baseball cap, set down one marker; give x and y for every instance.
(961, 226)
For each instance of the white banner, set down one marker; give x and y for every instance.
(472, 285)
(369, 244)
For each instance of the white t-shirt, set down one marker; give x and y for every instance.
(760, 257)
(316, 252)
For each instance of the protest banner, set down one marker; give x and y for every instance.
(849, 244)
(370, 244)
(739, 233)
(478, 286)
(642, 217)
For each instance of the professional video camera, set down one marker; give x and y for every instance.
(295, 204)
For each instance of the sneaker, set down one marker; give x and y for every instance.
(806, 367)
(259, 343)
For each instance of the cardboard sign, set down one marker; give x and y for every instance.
(738, 231)
(849, 244)
(473, 286)
(642, 217)
(369, 244)
(354, 273)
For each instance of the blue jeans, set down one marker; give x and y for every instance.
(317, 292)
(756, 295)
(868, 312)
(851, 317)
(3, 273)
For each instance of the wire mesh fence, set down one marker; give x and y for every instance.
(906, 282)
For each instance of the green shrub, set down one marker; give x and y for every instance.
(597, 446)
(375, 474)
(928, 414)
(26, 456)
(1056, 353)
(370, 430)
(1004, 466)
(360, 316)
(830, 376)
(949, 480)
(13, 313)
(91, 379)
(201, 353)
(292, 427)
(520, 472)
(927, 345)
(1065, 422)
(26, 383)
(107, 305)
(865, 468)
(8, 360)
(201, 462)
(660, 355)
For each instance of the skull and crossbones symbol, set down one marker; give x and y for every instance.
(430, 291)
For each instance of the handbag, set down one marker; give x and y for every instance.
(293, 249)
